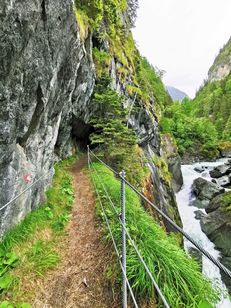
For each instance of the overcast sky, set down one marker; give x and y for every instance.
(183, 37)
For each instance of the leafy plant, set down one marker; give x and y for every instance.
(60, 223)
(7, 304)
(6, 281)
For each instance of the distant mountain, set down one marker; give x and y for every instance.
(176, 94)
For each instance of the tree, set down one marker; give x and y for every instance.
(110, 118)
(132, 11)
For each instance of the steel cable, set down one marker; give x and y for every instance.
(179, 229)
(26, 189)
(115, 246)
(135, 248)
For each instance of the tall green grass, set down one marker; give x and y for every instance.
(30, 248)
(177, 274)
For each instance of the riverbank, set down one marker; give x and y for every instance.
(192, 226)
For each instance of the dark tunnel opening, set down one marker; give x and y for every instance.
(81, 132)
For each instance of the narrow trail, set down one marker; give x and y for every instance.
(80, 281)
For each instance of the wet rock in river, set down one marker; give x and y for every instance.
(200, 169)
(205, 190)
(200, 204)
(220, 171)
(196, 254)
(199, 214)
(224, 181)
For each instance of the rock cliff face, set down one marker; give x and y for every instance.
(47, 76)
(221, 67)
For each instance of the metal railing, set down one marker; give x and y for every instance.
(125, 233)
(24, 191)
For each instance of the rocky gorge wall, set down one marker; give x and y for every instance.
(47, 76)
(221, 67)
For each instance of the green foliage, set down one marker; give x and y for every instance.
(61, 222)
(107, 12)
(132, 9)
(225, 200)
(117, 140)
(104, 19)
(7, 304)
(150, 84)
(42, 257)
(113, 132)
(83, 23)
(22, 253)
(214, 102)
(102, 61)
(6, 282)
(162, 168)
(175, 272)
(197, 136)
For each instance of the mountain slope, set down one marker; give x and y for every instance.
(213, 100)
(221, 67)
(176, 94)
(202, 127)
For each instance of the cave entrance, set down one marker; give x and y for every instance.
(81, 132)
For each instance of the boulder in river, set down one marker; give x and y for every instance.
(219, 171)
(224, 181)
(199, 214)
(214, 204)
(200, 168)
(217, 226)
(200, 204)
(205, 190)
(196, 254)
(174, 161)
(226, 261)
(226, 152)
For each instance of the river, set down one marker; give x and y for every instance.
(192, 225)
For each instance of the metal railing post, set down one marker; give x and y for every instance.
(123, 219)
(88, 156)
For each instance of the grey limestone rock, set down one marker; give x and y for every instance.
(219, 171)
(205, 190)
(46, 78)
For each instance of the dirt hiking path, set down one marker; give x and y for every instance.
(80, 281)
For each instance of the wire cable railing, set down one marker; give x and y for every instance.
(113, 240)
(24, 191)
(179, 229)
(156, 287)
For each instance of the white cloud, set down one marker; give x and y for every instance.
(183, 37)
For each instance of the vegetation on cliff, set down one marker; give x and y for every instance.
(114, 46)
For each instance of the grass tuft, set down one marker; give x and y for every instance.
(177, 274)
(31, 248)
